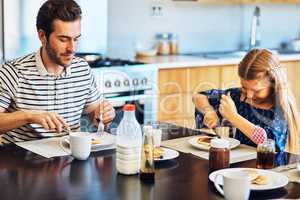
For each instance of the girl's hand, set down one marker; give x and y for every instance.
(227, 107)
(211, 119)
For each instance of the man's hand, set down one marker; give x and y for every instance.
(227, 107)
(211, 119)
(49, 120)
(106, 110)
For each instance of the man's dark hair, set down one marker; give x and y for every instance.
(65, 10)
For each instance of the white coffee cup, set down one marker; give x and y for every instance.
(80, 143)
(156, 137)
(236, 185)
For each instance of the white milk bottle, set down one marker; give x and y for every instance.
(129, 142)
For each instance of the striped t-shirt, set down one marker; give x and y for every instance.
(25, 84)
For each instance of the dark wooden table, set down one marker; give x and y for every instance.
(25, 175)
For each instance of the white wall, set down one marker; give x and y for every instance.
(94, 26)
(1, 33)
(20, 26)
(200, 27)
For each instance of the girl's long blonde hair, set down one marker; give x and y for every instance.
(262, 63)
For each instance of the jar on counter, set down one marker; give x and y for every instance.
(173, 42)
(218, 154)
(163, 44)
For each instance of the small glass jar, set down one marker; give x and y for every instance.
(163, 44)
(265, 155)
(218, 154)
(173, 42)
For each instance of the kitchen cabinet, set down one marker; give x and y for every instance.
(293, 74)
(218, 1)
(177, 85)
(269, 1)
(244, 1)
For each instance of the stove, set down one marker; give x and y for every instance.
(96, 60)
(124, 81)
(109, 62)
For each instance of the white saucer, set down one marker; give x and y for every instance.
(275, 180)
(106, 140)
(168, 154)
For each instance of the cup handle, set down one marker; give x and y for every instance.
(218, 187)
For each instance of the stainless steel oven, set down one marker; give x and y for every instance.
(136, 83)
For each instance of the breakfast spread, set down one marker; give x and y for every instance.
(205, 140)
(256, 178)
(260, 180)
(158, 153)
(95, 141)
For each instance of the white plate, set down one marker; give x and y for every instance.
(53, 134)
(207, 131)
(168, 154)
(275, 180)
(106, 140)
(193, 141)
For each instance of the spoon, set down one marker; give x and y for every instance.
(100, 129)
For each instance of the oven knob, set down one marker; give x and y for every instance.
(135, 82)
(144, 81)
(126, 82)
(108, 84)
(117, 83)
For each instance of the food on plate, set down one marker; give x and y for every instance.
(256, 178)
(96, 141)
(158, 152)
(252, 173)
(260, 180)
(205, 140)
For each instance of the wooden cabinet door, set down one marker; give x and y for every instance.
(172, 81)
(175, 106)
(218, 1)
(186, 122)
(229, 77)
(203, 78)
(270, 1)
(293, 75)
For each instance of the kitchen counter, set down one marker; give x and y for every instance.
(181, 61)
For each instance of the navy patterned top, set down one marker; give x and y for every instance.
(272, 120)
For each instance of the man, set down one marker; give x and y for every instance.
(45, 93)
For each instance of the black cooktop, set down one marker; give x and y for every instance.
(110, 62)
(98, 60)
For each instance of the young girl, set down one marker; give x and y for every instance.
(264, 107)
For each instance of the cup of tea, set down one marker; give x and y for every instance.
(157, 133)
(80, 143)
(236, 185)
(223, 131)
(265, 154)
(232, 129)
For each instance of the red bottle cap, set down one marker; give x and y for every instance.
(129, 107)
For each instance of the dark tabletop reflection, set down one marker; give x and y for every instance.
(167, 164)
(30, 175)
(25, 175)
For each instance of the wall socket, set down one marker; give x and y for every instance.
(157, 10)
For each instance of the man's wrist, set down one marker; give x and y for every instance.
(27, 116)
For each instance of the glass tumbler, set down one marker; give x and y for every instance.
(265, 154)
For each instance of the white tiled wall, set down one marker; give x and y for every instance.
(200, 27)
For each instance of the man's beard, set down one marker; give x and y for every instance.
(54, 57)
